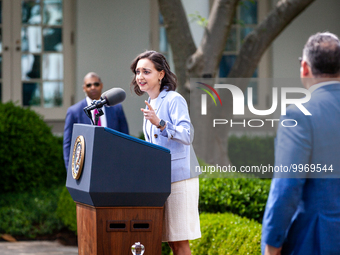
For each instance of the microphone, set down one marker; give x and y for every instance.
(114, 96)
(111, 97)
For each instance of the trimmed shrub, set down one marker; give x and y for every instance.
(67, 211)
(242, 196)
(30, 156)
(251, 151)
(141, 136)
(227, 234)
(29, 214)
(166, 250)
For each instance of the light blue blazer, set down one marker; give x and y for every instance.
(177, 136)
(303, 214)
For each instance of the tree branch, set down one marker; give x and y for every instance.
(179, 37)
(260, 39)
(207, 57)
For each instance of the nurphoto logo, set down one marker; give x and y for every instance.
(239, 103)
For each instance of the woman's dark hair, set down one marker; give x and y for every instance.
(169, 81)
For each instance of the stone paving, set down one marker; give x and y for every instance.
(36, 248)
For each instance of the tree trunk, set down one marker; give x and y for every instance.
(256, 43)
(210, 146)
(204, 62)
(179, 37)
(206, 59)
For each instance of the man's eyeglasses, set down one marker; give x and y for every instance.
(301, 59)
(96, 84)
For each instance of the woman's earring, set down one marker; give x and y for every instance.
(160, 82)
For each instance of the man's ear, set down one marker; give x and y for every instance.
(305, 69)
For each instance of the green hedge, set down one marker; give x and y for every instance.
(36, 213)
(30, 214)
(66, 211)
(227, 234)
(251, 151)
(30, 156)
(242, 196)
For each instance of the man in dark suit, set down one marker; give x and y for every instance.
(302, 214)
(113, 117)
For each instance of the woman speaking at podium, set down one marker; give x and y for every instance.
(167, 123)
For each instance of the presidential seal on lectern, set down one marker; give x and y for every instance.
(78, 157)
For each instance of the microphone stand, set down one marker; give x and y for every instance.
(88, 109)
(88, 114)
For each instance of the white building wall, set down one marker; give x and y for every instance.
(320, 16)
(109, 35)
(202, 8)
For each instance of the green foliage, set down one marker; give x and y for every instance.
(224, 234)
(141, 136)
(242, 196)
(29, 214)
(200, 20)
(166, 250)
(30, 156)
(251, 151)
(227, 234)
(67, 211)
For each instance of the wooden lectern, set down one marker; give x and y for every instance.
(120, 184)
